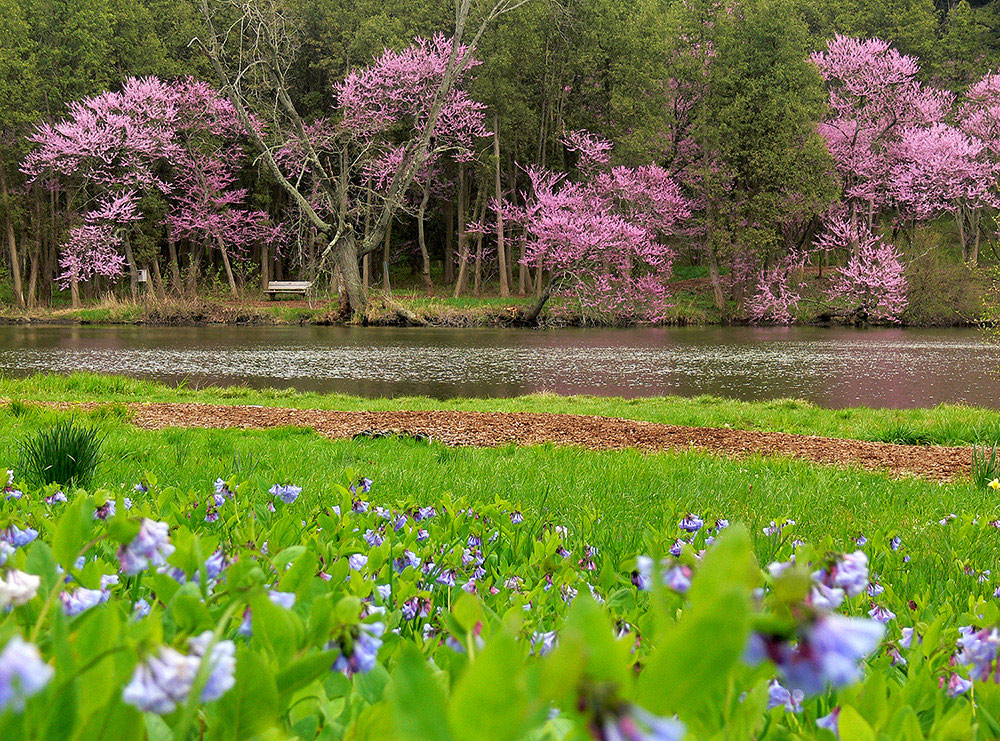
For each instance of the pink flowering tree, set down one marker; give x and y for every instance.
(874, 98)
(603, 239)
(979, 117)
(178, 140)
(872, 285)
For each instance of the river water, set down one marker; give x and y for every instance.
(833, 367)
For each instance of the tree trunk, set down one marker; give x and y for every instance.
(501, 247)
(74, 293)
(530, 316)
(133, 275)
(713, 272)
(194, 264)
(161, 289)
(974, 226)
(449, 242)
(463, 237)
(385, 259)
(960, 222)
(265, 264)
(345, 255)
(225, 263)
(421, 239)
(15, 262)
(175, 267)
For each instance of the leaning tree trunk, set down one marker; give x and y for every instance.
(225, 262)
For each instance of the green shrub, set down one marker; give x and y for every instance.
(66, 454)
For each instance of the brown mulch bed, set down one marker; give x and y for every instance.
(596, 433)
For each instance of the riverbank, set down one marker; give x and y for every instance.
(692, 304)
(945, 425)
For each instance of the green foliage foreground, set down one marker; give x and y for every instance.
(251, 610)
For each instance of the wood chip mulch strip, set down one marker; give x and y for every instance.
(482, 429)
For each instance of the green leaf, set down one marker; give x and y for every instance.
(371, 685)
(302, 672)
(492, 699)
(418, 702)
(73, 531)
(251, 707)
(467, 611)
(853, 727)
(689, 672)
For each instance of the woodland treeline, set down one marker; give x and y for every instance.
(582, 147)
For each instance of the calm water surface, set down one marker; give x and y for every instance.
(829, 366)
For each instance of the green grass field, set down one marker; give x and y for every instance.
(942, 425)
(628, 491)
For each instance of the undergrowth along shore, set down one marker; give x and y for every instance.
(401, 589)
(403, 309)
(945, 424)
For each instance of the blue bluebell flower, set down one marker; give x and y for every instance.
(692, 523)
(282, 599)
(286, 493)
(830, 721)
(81, 600)
(778, 697)
(357, 561)
(22, 674)
(958, 685)
(105, 511)
(363, 653)
(150, 547)
(17, 537)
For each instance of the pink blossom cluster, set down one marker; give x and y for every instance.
(603, 239)
(178, 139)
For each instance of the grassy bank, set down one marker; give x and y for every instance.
(942, 425)
(942, 299)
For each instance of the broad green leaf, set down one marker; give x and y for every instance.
(853, 727)
(483, 705)
(418, 702)
(689, 671)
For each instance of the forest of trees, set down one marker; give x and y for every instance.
(582, 148)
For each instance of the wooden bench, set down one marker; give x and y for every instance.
(275, 287)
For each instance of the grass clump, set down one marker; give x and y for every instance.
(66, 453)
(985, 464)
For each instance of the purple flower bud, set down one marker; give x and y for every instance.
(105, 511)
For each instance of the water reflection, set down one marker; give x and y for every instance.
(832, 367)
